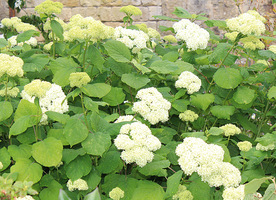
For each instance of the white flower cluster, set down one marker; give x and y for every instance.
(230, 129)
(126, 118)
(234, 193)
(265, 148)
(137, 143)
(17, 24)
(207, 160)
(153, 107)
(131, 38)
(53, 100)
(247, 23)
(194, 36)
(13, 42)
(11, 65)
(79, 184)
(27, 197)
(189, 81)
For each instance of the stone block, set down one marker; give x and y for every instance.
(169, 6)
(69, 3)
(66, 14)
(114, 24)
(86, 12)
(154, 10)
(131, 2)
(151, 2)
(110, 14)
(28, 11)
(4, 10)
(89, 3)
(144, 16)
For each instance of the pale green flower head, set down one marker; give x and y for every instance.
(153, 34)
(252, 43)
(37, 88)
(49, 7)
(188, 116)
(272, 48)
(1, 165)
(261, 147)
(11, 92)
(244, 146)
(10, 22)
(183, 194)
(230, 129)
(232, 36)
(262, 62)
(116, 193)
(79, 79)
(11, 65)
(143, 27)
(131, 10)
(170, 39)
(79, 184)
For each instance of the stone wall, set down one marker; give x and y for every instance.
(108, 11)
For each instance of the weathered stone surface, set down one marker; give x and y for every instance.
(144, 16)
(151, 2)
(150, 24)
(114, 24)
(154, 10)
(4, 11)
(29, 11)
(90, 3)
(86, 12)
(110, 14)
(66, 14)
(131, 2)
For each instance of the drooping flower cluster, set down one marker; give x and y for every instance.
(188, 116)
(116, 193)
(207, 160)
(79, 79)
(230, 129)
(234, 193)
(17, 24)
(183, 194)
(153, 107)
(11, 65)
(51, 97)
(126, 118)
(244, 146)
(250, 23)
(88, 29)
(251, 42)
(137, 143)
(49, 7)
(79, 184)
(194, 36)
(13, 42)
(131, 10)
(11, 92)
(133, 39)
(261, 147)
(272, 48)
(170, 39)
(189, 81)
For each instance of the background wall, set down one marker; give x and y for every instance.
(108, 10)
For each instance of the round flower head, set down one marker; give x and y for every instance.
(153, 34)
(27, 197)
(153, 107)
(51, 97)
(189, 81)
(79, 79)
(264, 62)
(49, 7)
(232, 36)
(11, 92)
(272, 48)
(11, 65)
(230, 130)
(265, 148)
(251, 42)
(10, 22)
(131, 10)
(234, 193)
(22, 27)
(170, 39)
(48, 46)
(13, 42)
(244, 146)
(79, 184)
(143, 27)
(137, 142)
(247, 23)
(116, 193)
(188, 116)
(183, 194)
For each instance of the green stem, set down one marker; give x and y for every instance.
(83, 109)
(243, 163)
(262, 120)
(84, 54)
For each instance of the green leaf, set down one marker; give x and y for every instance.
(21, 125)
(173, 183)
(28, 109)
(75, 131)
(35, 63)
(96, 143)
(148, 190)
(57, 29)
(215, 131)
(197, 185)
(165, 18)
(183, 66)
(140, 67)
(118, 51)
(21, 151)
(5, 158)
(95, 57)
(202, 101)
(267, 54)
(246, 124)
(98, 123)
(62, 118)
(3, 43)
(118, 68)
(270, 191)
(180, 105)
(95, 195)
(271, 93)
(58, 134)
(155, 168)
(171, 56)
(52, 188)
(110, 162)
(218, 23)
(48, 152)
(6, 110)
(27, 170)
(228, 78)
(22, 37)
(244, 95)
(69, 155)
(115, 97)
(254, 185)
(96, 90)
(62, 195)
(164, 66)
(222, 112)
(182, 13)
(79, 167)
(93, 179)
(267, 139)
(164, 134)
(135, 81)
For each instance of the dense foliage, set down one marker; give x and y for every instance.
(96, 112)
